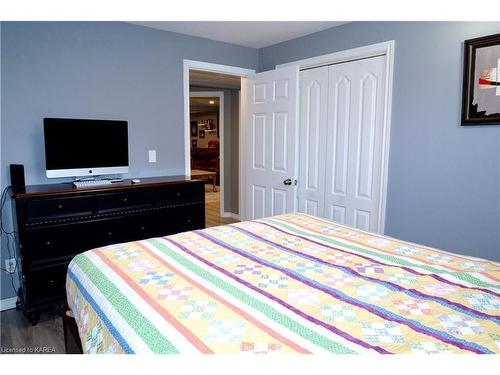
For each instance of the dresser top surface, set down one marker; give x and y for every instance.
(68, 188)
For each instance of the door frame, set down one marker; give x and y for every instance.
(372, 50)
(220, 95)
(225, 69)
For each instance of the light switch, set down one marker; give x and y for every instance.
(152, 156)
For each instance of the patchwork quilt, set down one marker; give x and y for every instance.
(285, 284)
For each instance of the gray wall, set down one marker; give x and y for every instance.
(231, 146)
(107, 70)
(444, 180)
(231, 150)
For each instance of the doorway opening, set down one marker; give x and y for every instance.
(214, 112)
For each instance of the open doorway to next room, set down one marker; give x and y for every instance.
(214, 124)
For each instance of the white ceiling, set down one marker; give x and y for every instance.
(254, 34)
(216, 80)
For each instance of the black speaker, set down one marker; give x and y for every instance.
(17, 178)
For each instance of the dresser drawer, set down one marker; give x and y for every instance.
(142, 227)
(181, 219)
(128, 229)
(125, 200)
(191, 218)
(45, 284)
(68, 206)
(63, 242)
(177, 193)
(109, 233)
(113, 231)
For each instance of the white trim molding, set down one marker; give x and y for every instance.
(378, 49)
(242, 149)
(8, 303)
(231, 215)
(383, 48)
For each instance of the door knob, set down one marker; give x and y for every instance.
(288, 181)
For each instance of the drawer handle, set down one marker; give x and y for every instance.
(110, 233)
(48, 243)
(188, 220)
(60, 206)
(124, 200)
(51, 282)
(143, 227)
(178, 194)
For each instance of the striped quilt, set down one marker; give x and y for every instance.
(286, 284)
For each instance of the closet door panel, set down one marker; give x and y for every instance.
(354, 142)
(366, 136)
(312, 140)
(339, 126)
(339, 136)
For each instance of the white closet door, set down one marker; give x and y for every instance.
(354, 144)
(271, 142)
(312, 140)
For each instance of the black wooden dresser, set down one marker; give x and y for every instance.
(57, 221)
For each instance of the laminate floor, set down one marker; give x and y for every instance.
(17, 335)
(212, 208)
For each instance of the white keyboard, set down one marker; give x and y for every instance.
(90, 183)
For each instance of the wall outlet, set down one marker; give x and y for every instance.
(152, 156)
(10, 265)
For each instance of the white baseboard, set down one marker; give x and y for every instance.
(231, 215)
(8, 303)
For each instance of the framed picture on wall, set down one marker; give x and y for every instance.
(194, 128)
(202, 133)
(481, 85)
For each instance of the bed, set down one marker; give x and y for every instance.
(286, 284)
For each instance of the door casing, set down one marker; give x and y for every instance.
(216, 68)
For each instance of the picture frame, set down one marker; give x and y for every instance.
(194, 128)
(481, 81)
(202, 133)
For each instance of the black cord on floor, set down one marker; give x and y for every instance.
(11, 239)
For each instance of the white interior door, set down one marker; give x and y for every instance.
(312, 140)
(271, 142)
(354, 154)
